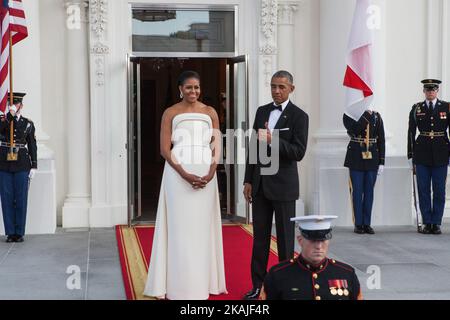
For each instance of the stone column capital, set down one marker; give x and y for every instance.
(77, 11)
(286, 11)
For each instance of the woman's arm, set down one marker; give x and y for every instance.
(216, 145)
(166, 149)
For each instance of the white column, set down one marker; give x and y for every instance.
(286, 53)
(77, 204)
(41, 217)
(286, 11)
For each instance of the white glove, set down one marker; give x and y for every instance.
(410, 162)
(13, 110)
(32, 174)
(380, 170)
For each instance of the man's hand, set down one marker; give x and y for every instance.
(265, 135)
(248, 192)
(380, 170)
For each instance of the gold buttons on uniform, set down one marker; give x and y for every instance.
(315, 276)
(333, 261)
(317, 287)
(318, 298)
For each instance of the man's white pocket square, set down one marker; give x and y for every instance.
(285, 129)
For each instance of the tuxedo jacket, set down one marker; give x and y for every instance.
(293, 138)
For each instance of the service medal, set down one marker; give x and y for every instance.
(346, 293)
(334, 291)
(340, 292)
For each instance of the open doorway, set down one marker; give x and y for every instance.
(155, 90)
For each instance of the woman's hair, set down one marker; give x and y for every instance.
(187, 75)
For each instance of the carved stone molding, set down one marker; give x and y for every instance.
(100, 71)
(268, 50)
(267, 69)
(268, 41)
(99, 14)
(268, 18)
(268, 29)
(99, 48)
(286, 12)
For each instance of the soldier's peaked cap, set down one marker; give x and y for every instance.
(315, 227)
(17, 97)
(431, 83)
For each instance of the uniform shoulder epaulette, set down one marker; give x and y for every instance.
(282, 265)
(341, 265)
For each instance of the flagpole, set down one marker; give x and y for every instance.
(11, 155)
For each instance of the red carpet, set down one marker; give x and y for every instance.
(135, 250)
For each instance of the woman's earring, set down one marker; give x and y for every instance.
(181, 95)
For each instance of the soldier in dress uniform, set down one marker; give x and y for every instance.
(428, 154)
(312, 276)
(365, 160)
(18, 164)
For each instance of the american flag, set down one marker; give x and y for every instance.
(13, 23)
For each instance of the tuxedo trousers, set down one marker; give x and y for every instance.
(263, 211)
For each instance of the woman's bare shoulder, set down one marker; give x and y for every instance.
(211, 111)
(172, 111)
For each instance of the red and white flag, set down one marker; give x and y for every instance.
(13, 24)
(359, 73)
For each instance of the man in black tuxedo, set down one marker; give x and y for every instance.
(281, 128)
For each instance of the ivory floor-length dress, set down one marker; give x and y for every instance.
(187, 254)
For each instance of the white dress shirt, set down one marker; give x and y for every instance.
(276, 114)
(434, 103)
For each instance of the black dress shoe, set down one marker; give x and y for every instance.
(426, 229)
(436, 229)
(19, 239)
(359, 230)
(10, 239)
(253, 294)
(369, 230)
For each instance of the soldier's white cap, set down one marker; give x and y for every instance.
(315, 227)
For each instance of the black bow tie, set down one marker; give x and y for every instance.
(277, 108)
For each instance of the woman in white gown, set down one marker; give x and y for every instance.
(187, 255)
